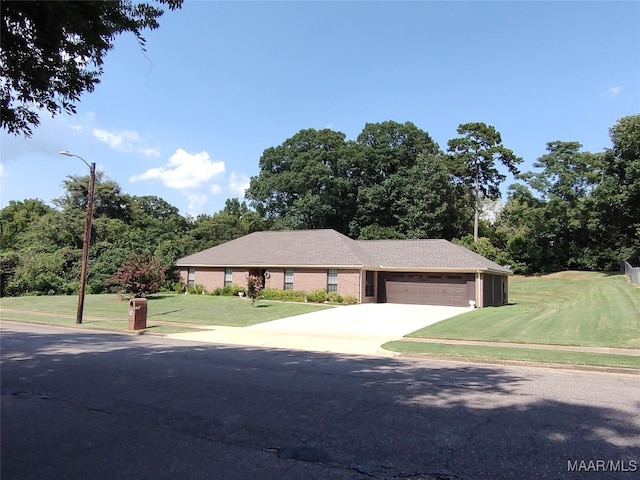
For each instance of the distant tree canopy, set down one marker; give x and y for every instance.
(390, 182)
(586, 214)
(576, 210)
(51, 52)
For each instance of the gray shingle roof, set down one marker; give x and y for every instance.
(290, 248)
(429, 254)
(328, 248)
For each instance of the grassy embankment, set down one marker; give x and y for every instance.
(584, 309)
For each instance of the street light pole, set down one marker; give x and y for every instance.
(87, 234)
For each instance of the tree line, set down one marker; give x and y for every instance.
(576, 210)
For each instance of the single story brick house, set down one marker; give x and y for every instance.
(430, 272)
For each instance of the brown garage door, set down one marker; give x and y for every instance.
(424, 289)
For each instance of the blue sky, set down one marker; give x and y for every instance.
(222, 81)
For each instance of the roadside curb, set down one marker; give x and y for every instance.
(633, 352)
(83, 328)
(518, 363)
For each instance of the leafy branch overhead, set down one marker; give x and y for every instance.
(52, 52)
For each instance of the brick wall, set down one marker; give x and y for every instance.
(374, 297)
(349, 283)
(308, 279)
(305, 279)
(211, 278)
(239, 277)
(276, 278)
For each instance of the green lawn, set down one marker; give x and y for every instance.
(567, 308)
(480, 353)
(110, 312)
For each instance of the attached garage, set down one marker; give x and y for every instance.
(426, 288)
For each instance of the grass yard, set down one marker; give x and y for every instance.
(566, 308)
(165, 311)
(474, 352)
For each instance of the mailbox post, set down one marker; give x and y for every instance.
(137, 314)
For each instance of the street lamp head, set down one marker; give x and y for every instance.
(67, 153)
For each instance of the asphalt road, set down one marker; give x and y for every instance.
(80, 405)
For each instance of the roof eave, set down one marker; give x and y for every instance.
(270, 265)
(385, 268)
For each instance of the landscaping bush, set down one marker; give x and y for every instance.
(335, 298)
(228, 290)
(350, 300)
(139, 276)
(232, 290)
(283, 295)
(198, 289)
(254, 288)
(317, 296)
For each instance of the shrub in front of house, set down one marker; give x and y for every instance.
(335, 298)
(254, 288)
(228, 290)
(283, 295)
(197, 289)
(317, 296)
(350, 299)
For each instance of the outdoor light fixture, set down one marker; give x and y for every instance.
(87, 234)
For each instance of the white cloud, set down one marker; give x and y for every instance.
(149, 152)
(125, 141)
(215, 189)
(196, 203)
(238, 183)
(613, 92)
(185, 171)
(3, 172)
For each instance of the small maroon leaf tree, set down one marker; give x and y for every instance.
(140, 276)
(254, 288)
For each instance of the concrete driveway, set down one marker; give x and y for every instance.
(355, 329)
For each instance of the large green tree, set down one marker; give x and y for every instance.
(565, 178)
(306, 182)
(52, 52)
(617, 198)
(473, 163)
(392, 182)
(108, 198)
(565, 172)
(396, 171)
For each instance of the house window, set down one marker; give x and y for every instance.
(369, 284)
(191, 277)
(228, 277)
(332, 280)
(288, 279)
